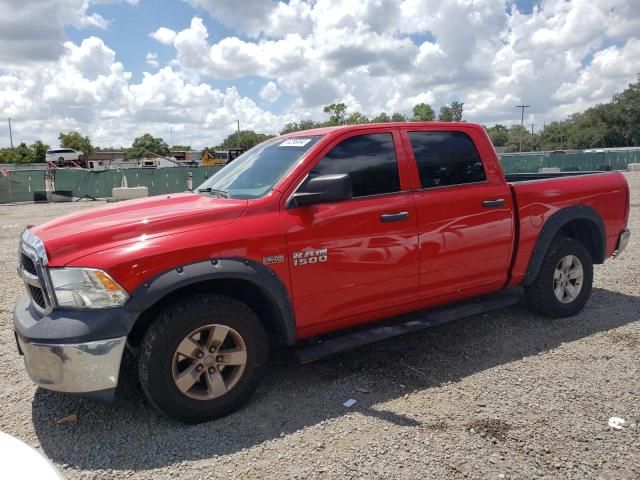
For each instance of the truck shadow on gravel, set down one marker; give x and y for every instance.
(129, 435)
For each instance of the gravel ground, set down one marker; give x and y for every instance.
(506, 395)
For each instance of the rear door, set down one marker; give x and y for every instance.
(465, 215)
(351, 258)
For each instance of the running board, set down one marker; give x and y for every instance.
(419, 321)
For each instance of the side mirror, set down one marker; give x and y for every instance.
(324, 189)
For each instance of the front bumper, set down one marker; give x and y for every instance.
(72, 351)
(74, 367)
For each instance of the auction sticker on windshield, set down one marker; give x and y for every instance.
(295, 142)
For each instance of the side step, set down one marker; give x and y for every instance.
(418, 321)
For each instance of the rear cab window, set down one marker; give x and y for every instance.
(369, 159)
(446, 158)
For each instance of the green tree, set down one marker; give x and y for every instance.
(77, 142)
(246, 139)
(398, 117)
(516, 132)
(9, 155)
(451, 113)
(356, 118)
(382, 118)
(39, 151)
(145, 145)
(423, 112)
(499, 135)
(457, 111)
(337, 113)
(24, 153)
(553, 136)
(302, 125)
(446, 114)
(181, 148)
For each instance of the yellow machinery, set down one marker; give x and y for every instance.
(220, 157)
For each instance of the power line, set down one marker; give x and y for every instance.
(522, 107)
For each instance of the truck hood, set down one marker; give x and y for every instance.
(95, 229)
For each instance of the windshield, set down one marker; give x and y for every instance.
(255, 172)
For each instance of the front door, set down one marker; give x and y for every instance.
(354, 257)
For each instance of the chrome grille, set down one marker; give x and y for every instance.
(32, 270)
(27, 264)
(37, 296)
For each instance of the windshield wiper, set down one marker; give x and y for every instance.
(220, 193)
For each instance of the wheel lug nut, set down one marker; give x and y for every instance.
(212, 370)
(199, 368)
(219, 358)
(212, 349)
(199, 354)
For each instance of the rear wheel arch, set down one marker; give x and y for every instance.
(246, 281)
(580, 222)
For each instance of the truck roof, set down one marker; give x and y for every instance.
(327, 130)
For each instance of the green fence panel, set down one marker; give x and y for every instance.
(200, 174)
(5, 195)
(21, 186)
(18, 186)
(569, 162)
(73, 180)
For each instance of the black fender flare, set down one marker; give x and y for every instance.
(551, 228)
(262, 277)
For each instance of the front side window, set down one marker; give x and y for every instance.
(255, 172)
(370, 160)
(446, 158)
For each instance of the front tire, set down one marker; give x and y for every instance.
(202, 358)
(564, 281)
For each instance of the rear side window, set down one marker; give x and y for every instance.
(446, 158)
(370, 160)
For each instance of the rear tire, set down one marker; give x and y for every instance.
(202, 358)
(564, 281)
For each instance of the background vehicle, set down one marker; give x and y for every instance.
(304, 235)
(64, 156)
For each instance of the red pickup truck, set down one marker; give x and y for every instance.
(305, 234)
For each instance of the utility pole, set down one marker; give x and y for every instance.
(238, 129)
(522, 107)
(171, 133)
(10, 133)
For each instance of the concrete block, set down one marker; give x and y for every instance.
(634, 167)
(128, 193)
(549, 170)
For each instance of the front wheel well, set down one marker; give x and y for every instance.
(586, 232)
(241, 290)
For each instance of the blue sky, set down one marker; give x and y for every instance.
(83, 64)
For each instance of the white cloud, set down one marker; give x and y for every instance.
(255, 17)
(33, 31)
(152, 59)
(88, 90)
(164, 35)
(270, 93)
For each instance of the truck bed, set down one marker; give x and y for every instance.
(537, 196)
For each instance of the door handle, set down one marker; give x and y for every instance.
(498, 202)
(394, 217)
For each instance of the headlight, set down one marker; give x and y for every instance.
(86, 288)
